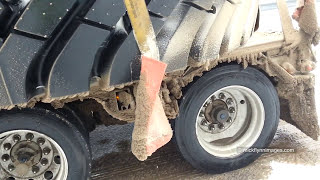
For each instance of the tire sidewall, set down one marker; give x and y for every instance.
(57, 128)
(198, 93)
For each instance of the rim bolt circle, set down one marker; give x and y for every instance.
(7, 146)
(29, 136)
(11, 167)
(16, 138)
(35, 169)
(46, 151)
(5, 157)
(40, 141)
(44, 162)
(232, 110)
(222, 96)
(229, 101)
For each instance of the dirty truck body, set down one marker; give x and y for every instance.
(67, 66)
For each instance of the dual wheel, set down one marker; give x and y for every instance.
(38, 144)
(223, 114)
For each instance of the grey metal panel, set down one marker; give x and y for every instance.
(41, 17)
(16, 55)
(121, 71)
(106, 12)
(71, 72)
(162, 7)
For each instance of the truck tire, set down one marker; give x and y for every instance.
(39, 144)
(224, 116)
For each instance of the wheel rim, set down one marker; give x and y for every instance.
(26, 154)
(230, 121)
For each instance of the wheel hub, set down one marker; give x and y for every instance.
(29, 155)
(216, 114)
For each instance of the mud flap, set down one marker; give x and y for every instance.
(152, 129)
(299, 108)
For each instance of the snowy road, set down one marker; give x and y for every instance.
(113, 160)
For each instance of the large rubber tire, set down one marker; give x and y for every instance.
(66, 133)
(195, 96)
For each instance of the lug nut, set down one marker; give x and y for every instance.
(46, 151)
(29, 136)
(232, 110)
(44, 162)
(35, 169)
(201, 114)
(221, 126)
(229, 120)
(40, 141)
(229, 101)
(16, 138)
(213, 97)
(211, 127)
(222, 96)
(206, 104)
(5, 157)
(11, 167)
(7, 146)
(203, 122)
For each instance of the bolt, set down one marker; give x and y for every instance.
(11, 167)
(44, 162)
(229, 120)
(16, 138)
(213, 97)
(232, 110)
(201, 114)
(35, 169)
(206, 104)
(7, 146)
(203, 122)
(5, 157)
(29, 136)
(221, 126)
(46, 151)
(41, 141)
(211, 127)
(222, 96)
(229, 101)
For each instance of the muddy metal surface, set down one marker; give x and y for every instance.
(113, 159)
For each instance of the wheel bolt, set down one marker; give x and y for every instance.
(35, 169)
(221, 126)
(232, 110)
(201, 114)
(46, 151)
(222, 96)
(229, 101)
(40, 141)
(16, 138)
(229, 120)
(44, 162)
(11, 167)
(29, 136)
(206, 104)
(5, 157)
(203, 122)
(211, 127)
(7, 146)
